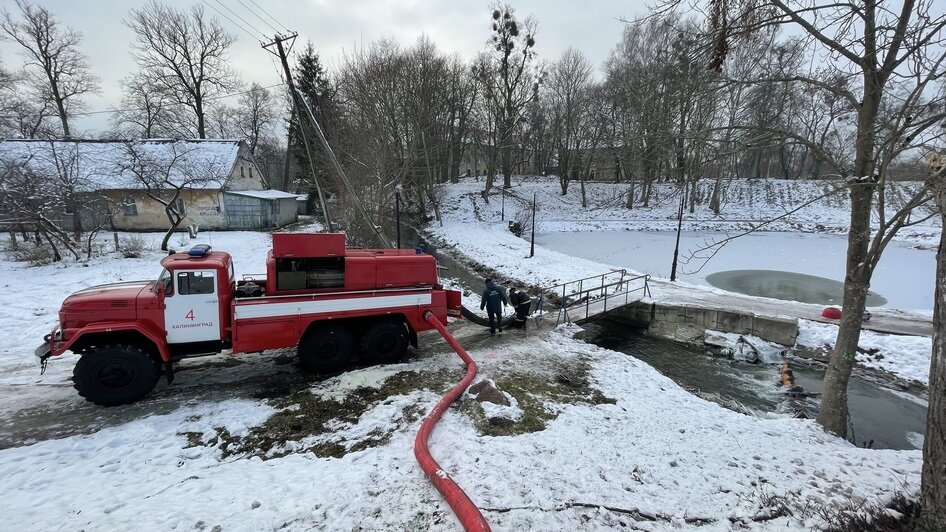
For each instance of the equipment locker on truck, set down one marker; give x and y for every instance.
(326, 300)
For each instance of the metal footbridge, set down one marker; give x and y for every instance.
(582, 299)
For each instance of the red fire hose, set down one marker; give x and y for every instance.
(467, 512)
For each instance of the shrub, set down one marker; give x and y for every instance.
(521, 222)
(133, 247)
(34, 254)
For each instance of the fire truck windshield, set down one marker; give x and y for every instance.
(164, 280)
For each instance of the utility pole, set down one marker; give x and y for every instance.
(281, 53)
(502, 213)
(676, 247)
(532, 249)
(397, 216)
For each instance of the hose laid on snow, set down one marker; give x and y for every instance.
(467, 512)
(506, 321)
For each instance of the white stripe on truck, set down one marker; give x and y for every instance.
(295, 308)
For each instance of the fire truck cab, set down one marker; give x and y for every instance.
(327, 301)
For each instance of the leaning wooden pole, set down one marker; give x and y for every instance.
(281, 53)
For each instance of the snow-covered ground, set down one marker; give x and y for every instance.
(642, 452)
(648, 455)
(907, 357)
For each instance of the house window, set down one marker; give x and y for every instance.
(241, 171)
(178, 206)
(274, 207)
(129, 207)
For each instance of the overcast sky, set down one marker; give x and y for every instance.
(335, 27)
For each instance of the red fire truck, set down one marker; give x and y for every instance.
(326, 300)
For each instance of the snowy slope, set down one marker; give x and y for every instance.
(744, 204)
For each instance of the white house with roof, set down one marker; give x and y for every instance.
(216, 184)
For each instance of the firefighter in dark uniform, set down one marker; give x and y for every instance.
(520, 301)
(493, 300)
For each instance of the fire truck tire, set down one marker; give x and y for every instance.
(115, 375)
(385, 341)
(326, 348)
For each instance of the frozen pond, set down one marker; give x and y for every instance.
(904, 276)
(786, 285)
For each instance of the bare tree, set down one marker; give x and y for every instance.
(462, 97)
(145, 109)
(255, 115)
(184, 54)
(30, 190)
(54, 61)
(889, 60)
(640, 76)
(513, 80)
(569, 90)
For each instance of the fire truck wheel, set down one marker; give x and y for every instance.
(385, 341)
(115, 375)
(326, 348)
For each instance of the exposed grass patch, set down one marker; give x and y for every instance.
(901, 514)
(537, 393)
(303, 415)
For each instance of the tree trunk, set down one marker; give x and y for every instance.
(60, 105)
(490, 177)
(693, 190)
(175, 221)
(714, 200)
(201, 126)
(630, 192)
(933, 486)
(833, 413)
(506, 153)
(56, 256)
(14, 245)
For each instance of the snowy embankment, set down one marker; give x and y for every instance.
(744, 203)
(907, 357)
(647, 455)
(472, 227)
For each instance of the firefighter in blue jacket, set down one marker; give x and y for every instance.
(494, 300)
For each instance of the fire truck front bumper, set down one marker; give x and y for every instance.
(45, 350)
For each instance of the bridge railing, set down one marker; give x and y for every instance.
(576, 299)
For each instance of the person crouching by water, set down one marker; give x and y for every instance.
(494, 299)
(520, 301)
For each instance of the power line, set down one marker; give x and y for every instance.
(248, 8)
(237, 15)
(224, 15)
(214, 98)
(270, 16)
